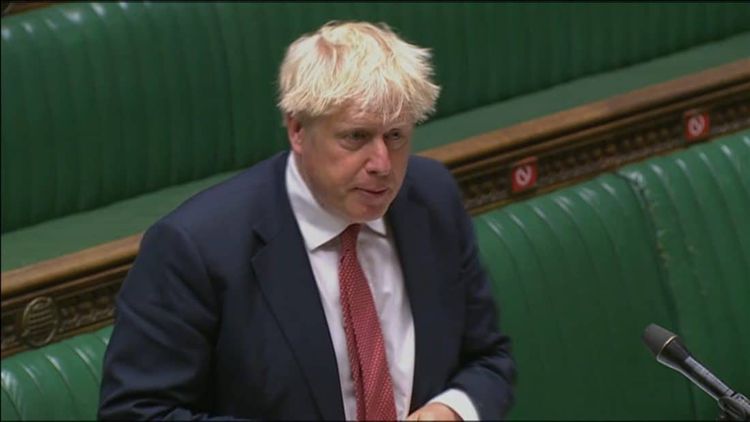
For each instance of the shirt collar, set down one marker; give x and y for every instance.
(318, 226)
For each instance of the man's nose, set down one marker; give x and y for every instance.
(379, 161)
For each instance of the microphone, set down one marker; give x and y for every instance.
(669, 351)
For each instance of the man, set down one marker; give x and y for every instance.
(338, 281)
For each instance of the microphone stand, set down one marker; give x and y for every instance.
(734, 408)
(670, 351)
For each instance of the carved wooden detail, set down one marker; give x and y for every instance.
(589, 156)
(59, 298)
(65, 296)
(39, 321)
(55, 315)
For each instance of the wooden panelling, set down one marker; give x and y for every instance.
(13, 7)
(61, 297)
(579, 143)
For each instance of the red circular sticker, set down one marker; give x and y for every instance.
(523, 175)
(697, 126)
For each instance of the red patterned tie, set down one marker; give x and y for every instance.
(364, 340)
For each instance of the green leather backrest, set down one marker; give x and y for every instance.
(699, 203)
(577, 279)
(579, 273)
(104, 101)
(60, 381)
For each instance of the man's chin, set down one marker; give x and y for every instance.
(365, 214)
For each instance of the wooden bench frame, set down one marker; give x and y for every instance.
(62, 297)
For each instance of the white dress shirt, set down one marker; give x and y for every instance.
(378, 258)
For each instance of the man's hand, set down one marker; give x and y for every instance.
(434, 412)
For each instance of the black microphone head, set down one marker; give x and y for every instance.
(669, 351)
(656, 337)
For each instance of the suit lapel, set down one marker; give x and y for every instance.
(410, 222)
(283, 271)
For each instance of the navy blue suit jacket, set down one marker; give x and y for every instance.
(220, 315)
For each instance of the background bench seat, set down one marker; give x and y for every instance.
(84, 229)
(57, 382)
(580, 272)
(106, 102)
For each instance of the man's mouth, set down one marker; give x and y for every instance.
(373, 191)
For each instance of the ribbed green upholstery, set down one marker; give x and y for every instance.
(699, 201)
(577, 277)
(580, 91)
(77, 231)
(580, 272)
(105, 101)
(59, 382)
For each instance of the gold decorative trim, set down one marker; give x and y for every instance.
(39, 321)
(61, 297)
(586, 157)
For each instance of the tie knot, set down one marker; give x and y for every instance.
(349, 237)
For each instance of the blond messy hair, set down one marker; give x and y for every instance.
(356, 64)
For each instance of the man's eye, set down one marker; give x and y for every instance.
(394, 136)
(358, 135)
(355, 139)
(396, 139)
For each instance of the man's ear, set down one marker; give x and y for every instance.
(295, 132)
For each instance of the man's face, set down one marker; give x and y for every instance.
(352, 162)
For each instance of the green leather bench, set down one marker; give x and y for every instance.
(582, 271)
(59, 381)
(579, 273)
(113, 113)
